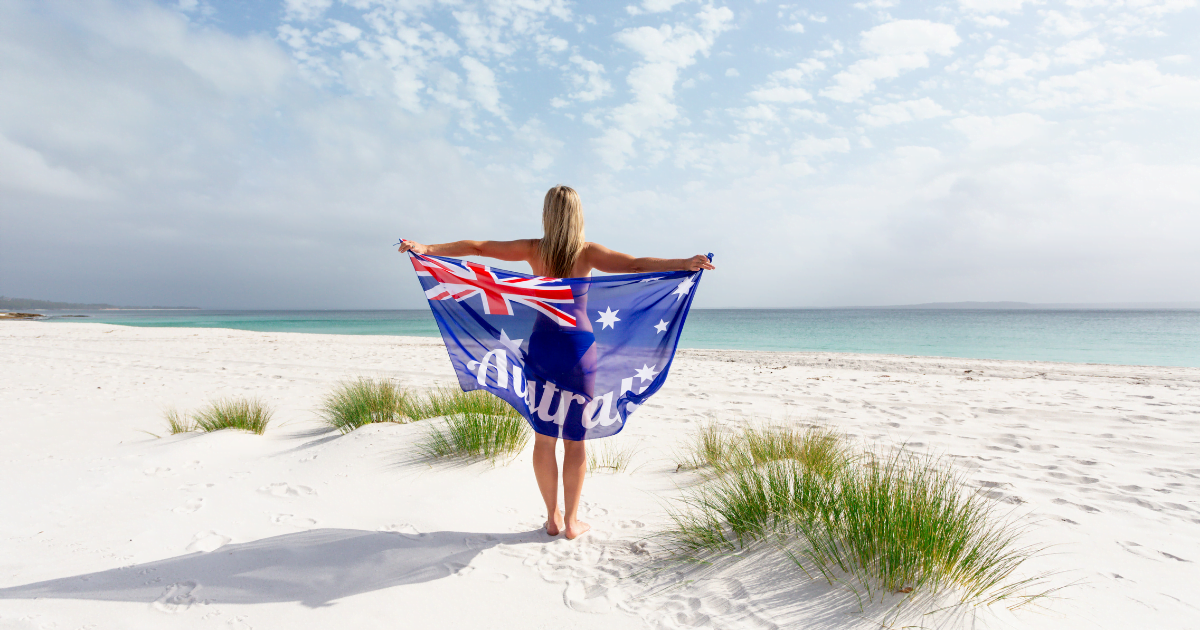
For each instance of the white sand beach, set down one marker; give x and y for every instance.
(107, 526)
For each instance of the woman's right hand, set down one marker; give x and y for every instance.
(698, 262)
(412, 245)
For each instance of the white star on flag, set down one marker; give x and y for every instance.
(513, 344)
(646, 373)
(661, 326)
(608, 318)
(683, 288)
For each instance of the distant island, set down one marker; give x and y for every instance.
(8, 303)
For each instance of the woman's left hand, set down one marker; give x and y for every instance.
(414, 246)
(698, 262)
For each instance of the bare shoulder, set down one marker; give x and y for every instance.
(595, 249)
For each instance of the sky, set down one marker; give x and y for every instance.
(267, 155)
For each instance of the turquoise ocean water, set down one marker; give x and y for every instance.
(1129, 337)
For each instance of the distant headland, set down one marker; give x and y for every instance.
(26, 304)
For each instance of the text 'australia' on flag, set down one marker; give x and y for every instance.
(575, 356)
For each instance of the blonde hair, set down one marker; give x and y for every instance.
(562, 225)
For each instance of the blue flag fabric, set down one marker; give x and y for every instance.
(575, 356)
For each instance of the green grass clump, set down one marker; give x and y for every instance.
(178, 422)
(900, 523)
(909, 522)
(607, 456)
(478, 435)
(819, 448)
(366, 401)
(449, 401)
(234, 413)
(711, 447)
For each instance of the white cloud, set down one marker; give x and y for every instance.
(665, 51)
(1067, 25)
(898, 47)
(781, 94)
(902, 112)
(653, 6)
(732, 72)
(797, 73)
(984, 132)
(989, 21)
(816, 147)
(794, 28)
(306, 10)
(124, 126)
(756, 119)
(1079, 51)
(481, 85)
(1137, 84)
(26, 170)
(142, 137)
(999, 65)
(592, 86)
(796, 114)
(338, 33)
(995, 6)
(781, 86)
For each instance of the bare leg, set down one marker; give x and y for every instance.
(545, 468)
(574, 470)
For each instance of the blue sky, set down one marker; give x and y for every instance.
(879, 152)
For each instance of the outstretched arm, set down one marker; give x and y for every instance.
(609, 261)
(500, 250)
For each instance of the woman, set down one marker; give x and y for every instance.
(562, 253)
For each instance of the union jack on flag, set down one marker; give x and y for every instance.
(468, 279)
(575, 356)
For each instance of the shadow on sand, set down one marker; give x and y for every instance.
(314, 568)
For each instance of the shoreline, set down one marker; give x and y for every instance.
(798, 357)
(1098, 462)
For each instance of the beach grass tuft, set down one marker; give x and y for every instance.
(450, 401)
(365, 401)
(178, 422)
(724, 451)
(880, 523)
(478, 424)
(246, 414)
(475, 435)
(711, 447)
(606, 456)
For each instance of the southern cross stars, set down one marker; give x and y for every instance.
(646, 373)
(608, 318)
(512, 344)
(661, 326)
(683, 288)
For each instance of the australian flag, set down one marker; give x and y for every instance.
(575, 356)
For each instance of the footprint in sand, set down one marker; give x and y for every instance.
(239, 623)
(192, 506)
(400, 528)
(196, 487)
(287, 490)
(208, 541)
(292, 520)
(157, 472)
(177, 597)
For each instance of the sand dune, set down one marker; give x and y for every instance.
(107, 526)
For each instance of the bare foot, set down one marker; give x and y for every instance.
(554, 524)
(576, 529)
